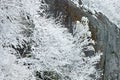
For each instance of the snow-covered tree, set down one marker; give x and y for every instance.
(53, 51)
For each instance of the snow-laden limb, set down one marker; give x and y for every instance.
(81, 32)
(78, 3)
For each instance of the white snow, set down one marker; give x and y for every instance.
(76, 2)
(111, 8)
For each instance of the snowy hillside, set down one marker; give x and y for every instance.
(111, 8)
(31, 44)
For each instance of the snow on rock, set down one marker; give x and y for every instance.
(110, 8)
(76, 2)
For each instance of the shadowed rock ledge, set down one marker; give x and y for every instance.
(104, 32)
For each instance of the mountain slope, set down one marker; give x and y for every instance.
(36, 47)
(105, 33)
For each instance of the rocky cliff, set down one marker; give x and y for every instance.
(104, 32)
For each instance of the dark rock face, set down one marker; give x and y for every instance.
(105, 33)
(107, 37)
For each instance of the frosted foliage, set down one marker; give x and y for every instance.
(81, 29)
(57, 51)
(82, 39)
(9, 70)
(52, 47)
